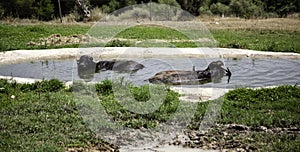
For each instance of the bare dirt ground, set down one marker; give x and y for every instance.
(238, 23)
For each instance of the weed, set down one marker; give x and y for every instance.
(154, 109)
(118, 43)
(40, 122)
(270, 107)
(104, 87)
(50, 118)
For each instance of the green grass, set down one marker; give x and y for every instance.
(262, 40)
(46, 116)
(33, 119)
(148, 105)
(277, 107)
(269, 107)
(151, 32)
(17, 36)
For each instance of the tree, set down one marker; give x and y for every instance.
(282, 7)
(191, 6)
(169, 2)
(43, 9)
(67, 6)
(220, 9)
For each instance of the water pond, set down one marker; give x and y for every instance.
(246, 72)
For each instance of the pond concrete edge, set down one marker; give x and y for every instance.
(18, 56)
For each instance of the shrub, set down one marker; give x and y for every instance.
(52, 85)
(118, 43)
(244, 8)
(219, 9)
(96, 14)
(104, 88)
(205, 11)
(44, 10)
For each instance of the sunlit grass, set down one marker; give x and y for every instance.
(14, 37)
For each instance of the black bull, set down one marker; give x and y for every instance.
(214, 72)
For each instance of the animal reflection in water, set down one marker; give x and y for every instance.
(213, 73)
(87, 67)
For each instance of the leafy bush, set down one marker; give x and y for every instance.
(220, 9)
(244, 8)
(118, 43)
(104, 88)
(44, 10)
(141, 94)
(205, 11)
(96, 14)
(52, 85)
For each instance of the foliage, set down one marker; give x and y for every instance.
(67, 7)
(282, 8)
(151, 32)
(277, 107)
(50, 120)
(41, 9)
(245, 8)
(48, 9)
(118, 43)
(44, 10)
(121, 113)
(220, 9)
(264, 40)
(270, 107)
(104, 87)
(40, 122)
(169, 2)
(18, 36)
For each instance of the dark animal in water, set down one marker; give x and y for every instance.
(122, 66)
(87, 67)
(86, 63)
(214, 72)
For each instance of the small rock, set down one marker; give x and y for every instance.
(238, 127)
(225, 133)
(263, 128)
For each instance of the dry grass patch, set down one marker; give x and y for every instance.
(238, 23)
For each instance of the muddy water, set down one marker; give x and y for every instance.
(245, 72)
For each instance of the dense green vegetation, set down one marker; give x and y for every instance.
(40, 117)
(44, 115)
(16, 37)
(121, 113)
(49, 9)
(270, 107)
